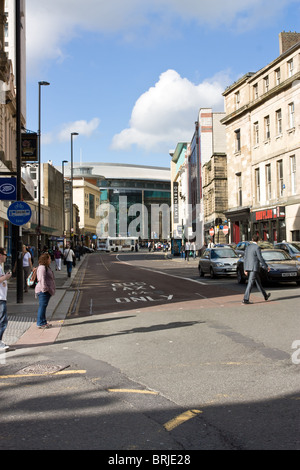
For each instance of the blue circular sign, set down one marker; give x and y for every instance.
(19, 213)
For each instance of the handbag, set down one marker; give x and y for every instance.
(65, 257)
(31, 280)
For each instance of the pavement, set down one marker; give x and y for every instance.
(22, 330)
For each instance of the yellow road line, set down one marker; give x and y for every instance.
(173, 423)
(129, 390)
(62, 372)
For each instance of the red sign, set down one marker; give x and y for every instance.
(225, 229)
(211, 232)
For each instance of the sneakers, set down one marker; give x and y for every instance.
(46, 326)
(246, 302)
(3, 347)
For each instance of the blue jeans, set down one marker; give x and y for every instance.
(69, 267)
(44, 298)
(3, 318)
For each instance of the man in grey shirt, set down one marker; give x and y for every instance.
(252, 260)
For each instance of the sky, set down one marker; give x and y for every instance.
(131, 75)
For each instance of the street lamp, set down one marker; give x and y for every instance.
(39, 160)
(71, 194)
(63, 174)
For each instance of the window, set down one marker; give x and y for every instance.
(277, 76)
(293, 173)
(237, 99)
(237, 140)
(290, 67)
(291, 115)
(256, 133)
(255, 91)
(239, 189)
(278, 122)
(266, 83)
(257, 185)
(268, 182)
(280, 177)
(267, 127)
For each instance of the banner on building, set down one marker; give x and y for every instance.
(29, 147)
(175, 203)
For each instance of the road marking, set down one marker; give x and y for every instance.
(129, 390)
(180, 419)
(62, 372)
(162, 272)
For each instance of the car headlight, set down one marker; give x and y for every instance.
(219, 265)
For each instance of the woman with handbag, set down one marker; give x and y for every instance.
(44, 289)
(69, 256)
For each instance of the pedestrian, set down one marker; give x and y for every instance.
(187, 250)
(44, 289)
(27, 266)
(57, 257)
(252, 260)
(3, 298)
(182, 251)
(69, 256)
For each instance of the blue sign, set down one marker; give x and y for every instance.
(19, 213)
(8, 189)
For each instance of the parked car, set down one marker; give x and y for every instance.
(218, 261)
(241, 246)
(282, 268)
(293, 248)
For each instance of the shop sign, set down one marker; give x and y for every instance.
(269, 214)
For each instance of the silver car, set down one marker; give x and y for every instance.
(218, 261)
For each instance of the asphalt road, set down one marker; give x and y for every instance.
(154, 358)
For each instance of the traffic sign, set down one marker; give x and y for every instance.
(211, 232)
(19, 213)
(225, 229)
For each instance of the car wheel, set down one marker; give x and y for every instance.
(240, 278)
(298, 283)
(212, 273)
(201, 273)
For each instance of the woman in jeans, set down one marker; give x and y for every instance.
(44, 288)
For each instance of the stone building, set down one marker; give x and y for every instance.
(262, 145)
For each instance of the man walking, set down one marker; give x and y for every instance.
(252, 260)
(3, 296)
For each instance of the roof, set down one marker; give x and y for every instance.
(120, 171)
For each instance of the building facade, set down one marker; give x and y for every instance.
(132, 198)
(263, 148)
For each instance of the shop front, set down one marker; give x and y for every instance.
(269, 224)
(239, 224)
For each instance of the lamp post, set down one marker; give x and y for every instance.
(71, 194)
(63, 174)
(42, 83)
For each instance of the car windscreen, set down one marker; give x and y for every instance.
(223, 253)
(275, 255)
(295, 247)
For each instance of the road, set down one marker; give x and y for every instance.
(154, 358)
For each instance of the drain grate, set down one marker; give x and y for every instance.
(40, 368)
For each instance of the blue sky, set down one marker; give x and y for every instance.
(131, 75)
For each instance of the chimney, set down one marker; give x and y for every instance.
(287, 40)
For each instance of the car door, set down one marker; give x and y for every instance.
(205, 264)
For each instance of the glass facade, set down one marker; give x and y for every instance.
(146, 194)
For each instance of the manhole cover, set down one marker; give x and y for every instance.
(42, 369)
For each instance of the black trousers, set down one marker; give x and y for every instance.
(254, 278)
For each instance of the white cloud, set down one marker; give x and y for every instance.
(165, 113)
(51, 25)
(83, 128)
